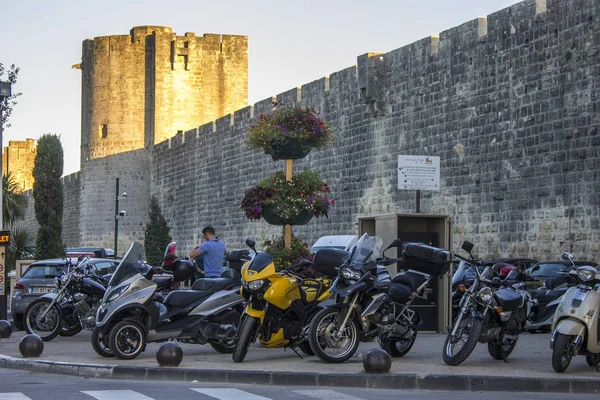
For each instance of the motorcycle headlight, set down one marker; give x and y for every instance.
(115, 294)
(348, 273)
(255, 285)
(586, 273)
(485, 295)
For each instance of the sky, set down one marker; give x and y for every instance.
(290, 44)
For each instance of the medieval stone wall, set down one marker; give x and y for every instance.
(18, 160)
(509, 102)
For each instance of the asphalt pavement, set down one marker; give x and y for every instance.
(529, 368)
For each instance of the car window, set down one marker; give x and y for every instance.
(42, 271)
(549, 270)
(104, 267)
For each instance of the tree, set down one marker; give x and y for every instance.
(48, 196)
(157, 234)
(14, 202)
(8, 105)
(21, 246)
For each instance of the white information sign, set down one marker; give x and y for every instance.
(419, 172)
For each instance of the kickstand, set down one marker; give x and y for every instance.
(296, 351)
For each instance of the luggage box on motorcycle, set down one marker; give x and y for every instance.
(328, 261)
(237, 258)
(427, 259)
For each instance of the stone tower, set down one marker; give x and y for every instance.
(138, 90)
(18, 159)
(141, 89)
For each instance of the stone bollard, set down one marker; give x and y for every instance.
(5, 329)
(31, 346)
(169, 354)
(377, 361)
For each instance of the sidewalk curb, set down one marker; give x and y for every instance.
(480, 383)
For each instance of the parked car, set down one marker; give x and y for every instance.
(39, 280)
(551, 269)
(342, 242)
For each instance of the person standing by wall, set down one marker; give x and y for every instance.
(212, 250)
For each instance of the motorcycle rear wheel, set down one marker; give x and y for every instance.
(470, 328)
(71, 325)
(223, 348)
(501, 352)
(399, 347)
(561, 353)
(46, 328)
(323, 336)
(100, 344)
(245, 338)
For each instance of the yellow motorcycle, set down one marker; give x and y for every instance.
(280, 305)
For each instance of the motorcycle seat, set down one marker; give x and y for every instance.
(214, 284)
(411, 279)
(548, 296)
(404, 284)
(183, 298)
(508, 299)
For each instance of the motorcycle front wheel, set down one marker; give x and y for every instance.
(246, 336)
(327, 342)
(459, 347)
(47, 327)
(562, 352)
(100, 343)
(127, 339)
(400, 347)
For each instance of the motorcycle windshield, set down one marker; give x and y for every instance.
(463, 273)
(133, 263)
(366, 249)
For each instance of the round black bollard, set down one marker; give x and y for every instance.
(31, 346)
(5, 329)
(169, 355)
(377, 361)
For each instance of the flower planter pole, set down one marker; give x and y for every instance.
(287, 229)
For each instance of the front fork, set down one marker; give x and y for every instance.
(54, 301)
(348, 314)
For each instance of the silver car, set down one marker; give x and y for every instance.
(39, 280)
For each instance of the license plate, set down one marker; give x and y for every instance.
(37, 290)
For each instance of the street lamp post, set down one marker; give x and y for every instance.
(118, 215)
(5, 93)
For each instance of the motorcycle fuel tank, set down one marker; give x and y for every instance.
(92, 287)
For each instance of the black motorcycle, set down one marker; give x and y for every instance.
(76, 301)
(371, 305)
(491, 311)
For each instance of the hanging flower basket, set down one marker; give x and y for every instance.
(289, 148)
(289, 132)
(272, 215)
(283, 202)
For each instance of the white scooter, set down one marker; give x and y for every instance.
(576, 327)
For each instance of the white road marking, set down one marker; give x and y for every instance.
(14, 396)
(117, 395)
(230, 394)
(327, 395)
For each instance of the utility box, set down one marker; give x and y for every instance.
(434, 306)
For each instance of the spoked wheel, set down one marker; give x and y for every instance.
(100, 343)
(71, 324)
(562, 353)
(502, 350)
(127, 340)
(457, 348)
(400, 347)
(47, 327)
(327, 341)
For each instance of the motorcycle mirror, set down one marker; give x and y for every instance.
(467, 246)
(395, 243)
(566, 256)
(251, 243)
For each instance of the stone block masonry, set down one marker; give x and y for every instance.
(509, 102)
